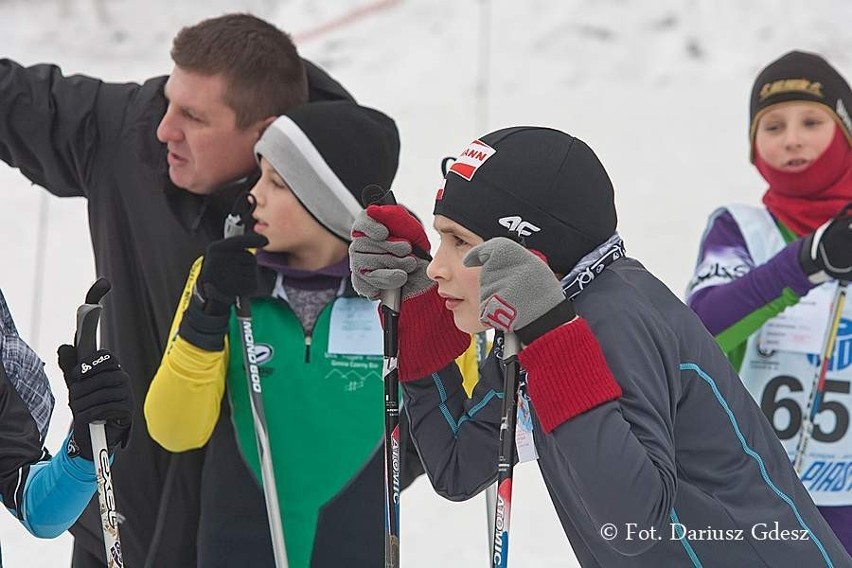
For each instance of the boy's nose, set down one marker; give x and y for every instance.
(435, 269)
(793, 138)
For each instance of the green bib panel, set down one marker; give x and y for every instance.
(324, 412)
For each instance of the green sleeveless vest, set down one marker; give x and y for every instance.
(324, 413)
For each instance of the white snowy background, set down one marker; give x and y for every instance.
(659, 89)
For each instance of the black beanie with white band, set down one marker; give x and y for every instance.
(538, 185)
(327, 152)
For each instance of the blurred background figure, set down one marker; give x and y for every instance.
(766, 276)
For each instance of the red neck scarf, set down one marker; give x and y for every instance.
(805, 200)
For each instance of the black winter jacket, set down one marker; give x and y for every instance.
(78, 136)
(682, 470)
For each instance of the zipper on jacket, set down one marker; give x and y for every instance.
(307, 348)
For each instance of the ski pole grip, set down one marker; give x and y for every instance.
(375, 195)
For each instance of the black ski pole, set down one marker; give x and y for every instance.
(390, 305)
(234, 226)
(490, 491)
(506, 459)
(86, 342)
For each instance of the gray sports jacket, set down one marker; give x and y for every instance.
(685, 455)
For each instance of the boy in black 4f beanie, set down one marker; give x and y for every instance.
(639, 421)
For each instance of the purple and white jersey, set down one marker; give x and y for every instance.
(752, 294)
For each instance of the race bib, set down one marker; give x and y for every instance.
(355, 328)
(801, 328)
(781, 382)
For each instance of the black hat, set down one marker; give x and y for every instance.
(801, 76)
(539, 185)
(327, 152)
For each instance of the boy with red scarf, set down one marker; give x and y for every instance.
(765, 277)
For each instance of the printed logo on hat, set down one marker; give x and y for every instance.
(471, 159)
(440, 195)
(517, 225)
(791, 86)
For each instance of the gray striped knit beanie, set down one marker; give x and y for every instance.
(327, 152)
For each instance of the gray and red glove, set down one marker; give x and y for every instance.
(382, 257)
(566, 370)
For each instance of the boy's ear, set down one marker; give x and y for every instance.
(263, 124)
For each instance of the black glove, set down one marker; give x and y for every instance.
(228, 271)
(98, 389)
(827, 252)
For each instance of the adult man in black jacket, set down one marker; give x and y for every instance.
(160, 164)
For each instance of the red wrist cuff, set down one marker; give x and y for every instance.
(567, 374)
(428, 338)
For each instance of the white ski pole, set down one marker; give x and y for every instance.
(234, 227)
(85, 340)
(818, 389)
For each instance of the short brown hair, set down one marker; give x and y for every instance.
(265, 75)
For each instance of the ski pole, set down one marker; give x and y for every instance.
(490, 491)
(818, 389)
(390, 302)
(85, 340)
(234, 226)
(506, 460)
(490, 511)
(390, 305)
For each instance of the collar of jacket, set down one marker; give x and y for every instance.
(591, 265)
(266, 286)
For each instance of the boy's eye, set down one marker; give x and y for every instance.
(813, 122)
(772, 127)
(276, 180)
(460, 242)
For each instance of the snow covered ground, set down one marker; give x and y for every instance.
(659, 90)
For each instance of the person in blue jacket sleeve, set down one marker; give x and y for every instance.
(47, 493)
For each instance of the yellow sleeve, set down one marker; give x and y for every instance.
(184, 398)
(469, 366)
